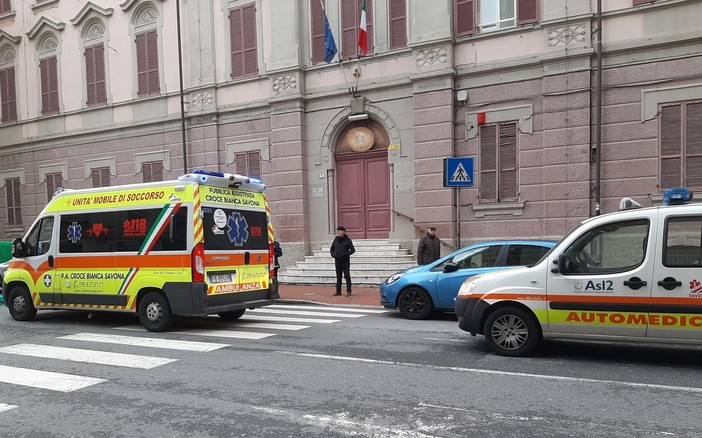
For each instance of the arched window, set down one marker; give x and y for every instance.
(47, 48)
(145, 23)
(8, 88)
(93, 35)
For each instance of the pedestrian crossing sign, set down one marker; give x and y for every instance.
(458, 172)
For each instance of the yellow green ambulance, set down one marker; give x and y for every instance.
(195, 246)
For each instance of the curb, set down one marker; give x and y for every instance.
(293, 301)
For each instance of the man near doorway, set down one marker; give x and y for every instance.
(428, 250)
(341, 249)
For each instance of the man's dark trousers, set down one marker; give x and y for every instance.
(343, 265)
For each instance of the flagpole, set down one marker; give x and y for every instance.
(343, 71)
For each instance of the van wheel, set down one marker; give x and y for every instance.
(415, 303)
(510, 331)
(232, 316)
(155, 312)
(20, 304)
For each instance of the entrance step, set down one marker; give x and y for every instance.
(373, 262)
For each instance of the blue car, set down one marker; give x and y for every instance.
(420, 290)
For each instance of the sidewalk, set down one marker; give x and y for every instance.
(322, 294)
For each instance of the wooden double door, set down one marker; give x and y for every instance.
(363, 194)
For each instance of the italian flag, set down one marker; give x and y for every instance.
(362, 33)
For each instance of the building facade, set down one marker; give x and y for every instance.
(91, 96)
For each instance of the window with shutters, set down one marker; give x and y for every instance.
(95, 75)
(53, 182)
(498, 162)
(14, 204)
(100, 176)
(5, 6)
(642, 2)
(398, 24)
(148, 80)
(49, 85)
(317, 31)
(681, 145)
(249, 164)
(471, 16)
(152, 171)
(243, 44)
(8, 96)
(350, 23)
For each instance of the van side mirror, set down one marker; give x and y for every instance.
(18, 248)
(563, 264)
(450, 267)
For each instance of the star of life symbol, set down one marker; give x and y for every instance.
(47, 280)
(460, 174)
(74, 232)
(237, 229)
(695, 286)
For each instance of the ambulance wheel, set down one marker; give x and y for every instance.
(155, 312)
(511, 331)
(232, 316)
(20, 304)
(415, 303)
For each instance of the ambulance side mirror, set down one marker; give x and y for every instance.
(18, 248)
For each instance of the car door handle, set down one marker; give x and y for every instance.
(669, 283)
(635, 283)
(51, 261)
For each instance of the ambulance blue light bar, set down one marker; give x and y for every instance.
(677, 196)
(208, 172)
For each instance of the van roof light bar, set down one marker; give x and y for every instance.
(677, 196)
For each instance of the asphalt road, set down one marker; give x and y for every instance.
(345, 374)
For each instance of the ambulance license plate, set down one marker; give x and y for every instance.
(220, 278)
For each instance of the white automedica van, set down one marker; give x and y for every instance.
(632, 275)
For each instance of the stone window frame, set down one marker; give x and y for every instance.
(9, 60)
(4, 176)
(61, 168)
(226, 6)
(109, 162)
(261, 145)
(140, 23)
(149, 157)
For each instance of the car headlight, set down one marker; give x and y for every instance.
(467, 287)
(394, 277)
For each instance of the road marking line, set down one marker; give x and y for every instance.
(145, 342)
(5, 407)
(248, 317)
(263, 325)
(207, 332)
(305, 313)
(340, 423)
(326, 308)
(87, 356)
(46, 379)
(499, 373)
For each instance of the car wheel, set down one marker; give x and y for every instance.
(415, 303)
(511, 331)
(232, 316)
(155, 312)
(20, 304)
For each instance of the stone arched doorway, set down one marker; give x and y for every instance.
(363, 180)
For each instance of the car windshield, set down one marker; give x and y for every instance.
(548, 253)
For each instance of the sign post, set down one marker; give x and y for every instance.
(458, 172)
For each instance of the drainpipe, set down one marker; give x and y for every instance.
(598, 112)
(182, 98)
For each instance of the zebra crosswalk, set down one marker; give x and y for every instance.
(133, 344)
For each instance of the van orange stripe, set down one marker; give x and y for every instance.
(588, 299)
(124, 261)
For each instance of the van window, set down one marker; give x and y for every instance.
(611, 248)
(229, 229)
(683, 242)
(135, 226)
(39, 239)
(524, 255)
(87, 232)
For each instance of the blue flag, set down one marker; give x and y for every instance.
(329, 44)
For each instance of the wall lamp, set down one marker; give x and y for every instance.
(358, 117)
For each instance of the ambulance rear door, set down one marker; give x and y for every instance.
(676, 304)
(602, 285)
(236, 244)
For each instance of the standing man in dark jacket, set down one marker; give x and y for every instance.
(341, 250)
(428, 249)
